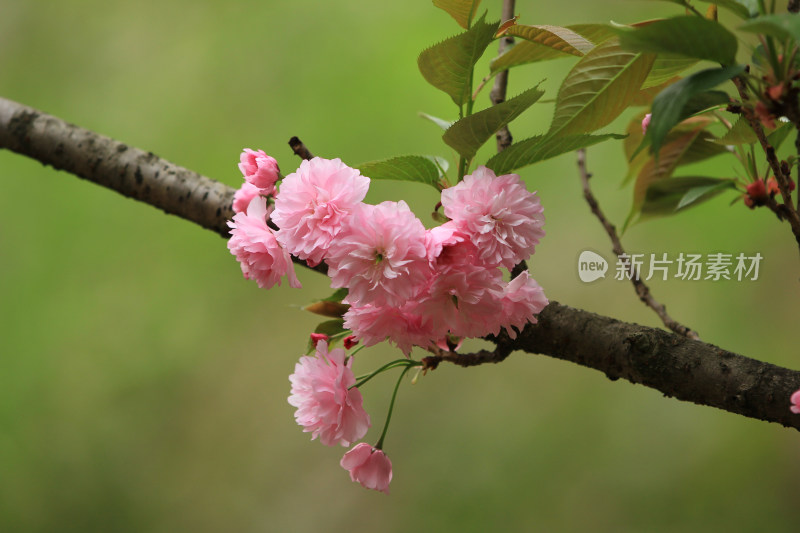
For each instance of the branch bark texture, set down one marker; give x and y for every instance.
(683, 368)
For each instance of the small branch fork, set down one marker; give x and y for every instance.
(642, 290)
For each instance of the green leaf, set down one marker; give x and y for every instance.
(598, 88)
(556, 37)
(541, 147)
(740, 133)
(448, 65)
(468, 134)
(684, 98)
(688, 147)
(596, 33)
(403, 168)
(741, 8)
(687, 36)
(461, 10)
(665, 68)
(442, 123)
(782, 26)
(646, 95)
(668, 197)
(776, 138)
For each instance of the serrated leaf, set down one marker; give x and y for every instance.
(556, 37)
(598, 88)
(442, 123)
(403, 168)
(672, 196)
(461, 10)
(646, 95)
(665, 68)
(448, 65)
(782, 26)
(689, 147)
(467, 135)
(541, 147)
(687, 36)
(596, 33)
(741, 8)
(523, 53)
(740, 133)
(776, 138)
(682, 99)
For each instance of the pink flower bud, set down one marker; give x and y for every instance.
(795, 408)
(243, 196)
(259, 169)
(645, 123)
(368, 466)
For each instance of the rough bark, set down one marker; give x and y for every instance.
(683, 368)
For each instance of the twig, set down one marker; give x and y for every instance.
(783, 180)
(300, 149)
(498, 94)
(642, 290)
(686, 369)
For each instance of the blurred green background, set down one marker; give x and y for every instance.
(143, 382)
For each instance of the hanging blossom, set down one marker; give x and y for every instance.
(244, 195)
(795, 399)
(313, 204)
(368, 466)
(254, 244)
(327, 406)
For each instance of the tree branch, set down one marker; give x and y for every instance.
(642, 290)
(498, 94)
(685, 369)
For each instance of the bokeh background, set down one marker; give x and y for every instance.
(143, 382)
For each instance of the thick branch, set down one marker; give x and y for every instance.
(641, 288)
(686, 369)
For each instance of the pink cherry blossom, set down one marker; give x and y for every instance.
(243, 196)
(646, 123)
(380, 256)
(259, 169)
(795, 399)
(522, 299)
(256, 248)
(404, 326)
(368, 466)
(498, 214)
(326, 405)
(312, 204)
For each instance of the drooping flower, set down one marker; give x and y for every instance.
(368, 466)
(499, 215)
(326, 405)
(312, 204)
(256, 248)
(404, 326)
(380, 255)
(523, 298)
(260, 170)
(795, 399)
(243, 196)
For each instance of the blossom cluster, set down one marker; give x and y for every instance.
(406, 284)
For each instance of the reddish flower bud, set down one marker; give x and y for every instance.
(316, 337)
(350, 341)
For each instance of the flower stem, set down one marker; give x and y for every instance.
(379, 445)
(360, 380)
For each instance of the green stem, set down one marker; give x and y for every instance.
(379, 445)
(360, 380)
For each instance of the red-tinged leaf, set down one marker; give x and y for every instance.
(463, 11)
